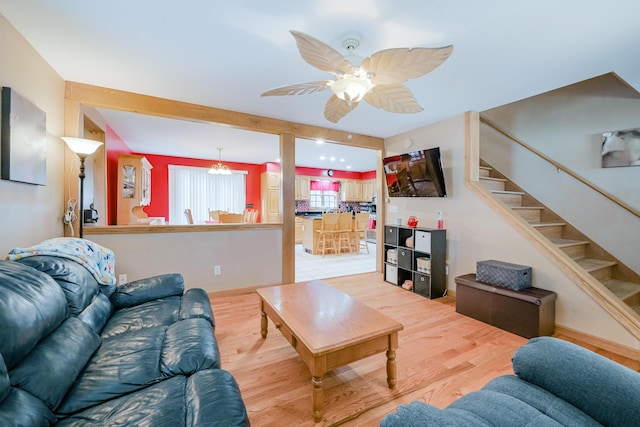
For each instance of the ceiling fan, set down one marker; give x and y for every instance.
(376, 79)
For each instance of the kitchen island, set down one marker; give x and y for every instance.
(309, 234)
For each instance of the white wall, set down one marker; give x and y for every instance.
(32, 213)
(475, 232)
(247, 259)
(566, 125)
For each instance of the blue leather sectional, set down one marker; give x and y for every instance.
(556, 383)
(75, 352)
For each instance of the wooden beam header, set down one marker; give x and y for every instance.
(101, 97)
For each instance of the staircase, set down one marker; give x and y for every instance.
(623, 282)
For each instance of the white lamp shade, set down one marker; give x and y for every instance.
(81, 146)
(351, 88)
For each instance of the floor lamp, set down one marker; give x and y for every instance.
(83, 148)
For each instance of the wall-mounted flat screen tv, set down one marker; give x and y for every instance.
(415, 174)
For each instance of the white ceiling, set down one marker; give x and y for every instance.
(224, 54)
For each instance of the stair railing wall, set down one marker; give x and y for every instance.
(610, 224)
(561, 167)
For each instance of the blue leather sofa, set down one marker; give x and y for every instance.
(556, 383)
(77, 352)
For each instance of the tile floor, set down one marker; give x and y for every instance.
(311, 267)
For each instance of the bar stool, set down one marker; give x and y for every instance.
(345, 230)
(360, 230)
(327, 230)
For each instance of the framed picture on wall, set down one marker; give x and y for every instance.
(23, 138)
(621, 148)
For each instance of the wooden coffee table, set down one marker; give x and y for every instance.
(328, 328)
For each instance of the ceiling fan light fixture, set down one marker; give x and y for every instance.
(219, 168)
(351, 88)
(377, 80)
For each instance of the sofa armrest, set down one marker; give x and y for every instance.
(189, 346)
(148, 289)
(600, 387)
(213, 398)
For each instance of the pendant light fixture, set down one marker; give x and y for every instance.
(219, 168)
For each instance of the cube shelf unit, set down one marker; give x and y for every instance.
(407, 261)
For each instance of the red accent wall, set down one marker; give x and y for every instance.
(322, 173)
(115, 146)
(336, 173)
(369, 175)
(159, 205)
(160, 176)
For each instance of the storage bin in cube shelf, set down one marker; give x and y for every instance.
(423, 242)
(504, 274)
(392, 256)
(391, 273)
(423, 264)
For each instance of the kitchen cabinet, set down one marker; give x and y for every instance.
(134, 187)
(356, 190)
(351, 190)
(368, 188)
(298, 235)
(418, 255)
(270, 197)
(303, 185)
(309, 235)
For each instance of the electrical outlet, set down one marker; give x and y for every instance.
(217, 270)
(122, 279)
(393, 209)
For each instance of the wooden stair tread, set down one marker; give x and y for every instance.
(517, 193)
(546, 224)
(622, 289)
(490, 178)
(591, 264)
(563, 243)
(527, 207)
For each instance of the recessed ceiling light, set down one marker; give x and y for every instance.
(322, 157)
(348, 167)
(319, 141)
(278, 160)
(342, 160)
(333, 159)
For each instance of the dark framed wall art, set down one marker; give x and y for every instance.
(621, 148)
(23, 139)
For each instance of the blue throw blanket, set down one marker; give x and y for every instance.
(98, 260)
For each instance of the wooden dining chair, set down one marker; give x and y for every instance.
(254, 216)
(229, 218)
(188, 216)
(327, 233)
(360, 230)
(345, 231)
(214, 215)
(247, 215)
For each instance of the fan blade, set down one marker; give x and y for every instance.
(299, 89)
(337, 109)
(321, 55)
(394, 98)
(399, 65)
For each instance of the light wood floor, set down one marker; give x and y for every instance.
(442, 355)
